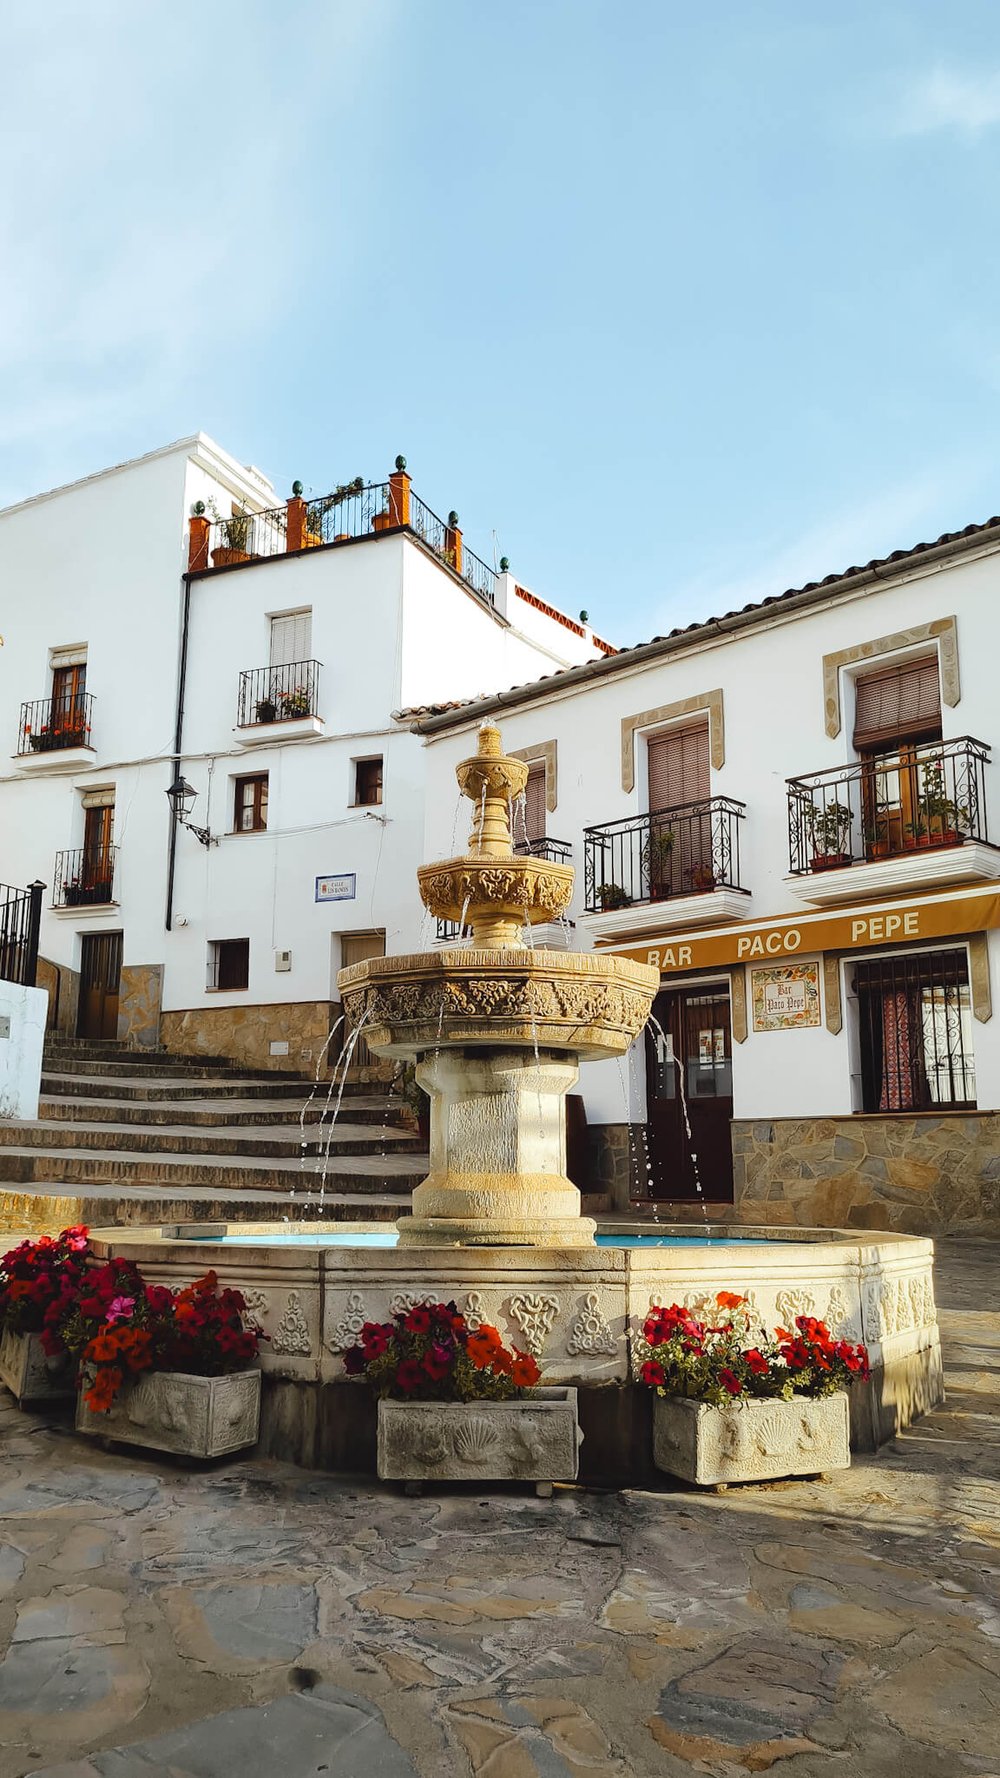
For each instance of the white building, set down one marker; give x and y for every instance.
(174, 618)
(792, 811)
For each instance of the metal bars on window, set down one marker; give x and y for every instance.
(915, 1028)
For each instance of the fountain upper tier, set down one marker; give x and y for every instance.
(491, 889)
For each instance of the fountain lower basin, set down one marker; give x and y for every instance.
(578, 1309)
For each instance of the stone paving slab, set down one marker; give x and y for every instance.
(250, 1618)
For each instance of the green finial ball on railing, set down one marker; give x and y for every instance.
(199, 509)
(585, 617)
(504, 564)
(297, 490)
(401, 463)
(453, 520)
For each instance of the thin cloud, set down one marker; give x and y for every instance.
(947, 100)
(896, 518)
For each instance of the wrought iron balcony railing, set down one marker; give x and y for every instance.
(20, 911)
(50, 724)
(355, 510)
(85, 877)
(278, 694)
(929, 795)
(682, 851)
(556, 851)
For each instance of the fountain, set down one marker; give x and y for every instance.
(497, 1030)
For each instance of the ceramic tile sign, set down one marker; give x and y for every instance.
(341, 888)
(786, 997)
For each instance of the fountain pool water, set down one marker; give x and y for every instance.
(497, 1029)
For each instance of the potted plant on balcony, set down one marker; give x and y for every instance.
(657, 854)
(878, 834)
(939, 821)
(454, 1403)
(171, 1370)
(295, 702)
(733, 1404)
(237, 534)
(39, 1283)
(829, 828)
(612, 896)
(702, 877)
(266, 710)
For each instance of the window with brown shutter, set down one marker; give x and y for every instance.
(367, 782)
(679, 767)
(534, 804)
(895, 705)
(228, 964)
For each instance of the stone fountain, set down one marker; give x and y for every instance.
(497, 1030)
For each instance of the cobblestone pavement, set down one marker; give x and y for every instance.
(257, 1619)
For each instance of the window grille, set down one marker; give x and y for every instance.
(915, 1017)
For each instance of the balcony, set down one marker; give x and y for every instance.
(85, 878)
(278, 703)
(56, 731)
(556, 851)
(353, 511)
(687, 857)
(907, 820)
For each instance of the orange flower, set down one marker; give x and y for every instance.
(483, 1346)
(503, 1362)
(525, 1371)
(726, 1299)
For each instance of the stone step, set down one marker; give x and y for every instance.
(285, 1141)
(100, 1086)
(362, 1173)
(191, 1068)
(45, 1207)
(220, 1112)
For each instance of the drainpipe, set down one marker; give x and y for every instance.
(176, 762)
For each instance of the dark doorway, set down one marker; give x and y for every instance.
(100, 979)
(696, 1046)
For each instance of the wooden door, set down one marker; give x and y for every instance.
(679, 850)
(97, 871)
(694, 1051)
(100, 980)
(69, 687)
(357, 947)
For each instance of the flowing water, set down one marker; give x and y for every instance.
(668, 1046)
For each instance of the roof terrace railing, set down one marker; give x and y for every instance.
(355, 510)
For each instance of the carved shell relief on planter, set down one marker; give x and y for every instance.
(291, 1336)
(475, 1310)
(348, 1328)
(256, 1301)
(591, 1332)
(792, 1303)
(534, 1314)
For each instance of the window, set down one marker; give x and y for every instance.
(250, 815)
(291, 638)
(915, 1020)
(897, 705)
(534, 804)
(897, 709)
(367, 781)
(229, 964)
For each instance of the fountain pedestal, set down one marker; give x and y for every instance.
(498, 1152)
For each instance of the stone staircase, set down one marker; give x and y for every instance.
(142, 1136)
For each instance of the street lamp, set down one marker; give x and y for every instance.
(181, 796)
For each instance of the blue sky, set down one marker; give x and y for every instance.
(677, 305)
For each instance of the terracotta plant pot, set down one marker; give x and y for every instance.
(172, 1411)
(830, 860)
(381, 521)
(751, 1441)
(223, 557)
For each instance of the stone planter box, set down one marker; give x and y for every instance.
(29, 1373)
(172, 1411)
(751, 1441)
(534, 1439)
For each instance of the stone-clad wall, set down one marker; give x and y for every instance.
(63, 987)
(925, 1174)
(139, 1004)
(246, 1033)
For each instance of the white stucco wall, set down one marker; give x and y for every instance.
(22, 1034)
(771, 677)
